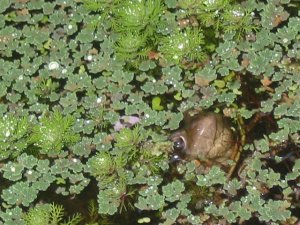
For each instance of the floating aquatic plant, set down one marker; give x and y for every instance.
(107, 61)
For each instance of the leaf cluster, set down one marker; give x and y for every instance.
(13, 136)
(48, 136)
(53, 133)
(45, 214)
(117, 171)
(101, 61)
(135, 23)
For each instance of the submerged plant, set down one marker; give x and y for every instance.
(111, 174)
(189, 5)
(138, 16)
(210, 13)
(183, 45)
(53, 133)
(131, 45)
(103, 167)
(45, 87)
(239, 21)
(100, 5)
(45, 214)
(13, 136)
(220, 16)
(121, 171)
(130, 137)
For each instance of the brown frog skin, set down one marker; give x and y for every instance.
(206, 137)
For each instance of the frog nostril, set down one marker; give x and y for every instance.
(179, 144)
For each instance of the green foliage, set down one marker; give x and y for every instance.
(131, 46)
(100, 5)
(13, 136)
(118, 171)
(110, 198)
(138, 16)
(12, 216)
(183, 45)
(103, 167)
(32, 175)
(71, 71)
(20, 193)
(45, 214)
(215, 176)
(69, 176)
(173, 190)
(46, 87)
(135, 23)
(156, 104)
(222, 16)
(53, 134)
(130, 138)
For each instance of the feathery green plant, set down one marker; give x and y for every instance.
(53, 133)
(113, 170)
(136, 22)
(45, 87)
(103, 167)
(238, 20)
(138, 16)
(131, 46)
(45, 214)
(183, 45)
(152, 60)
(100, 5)
(13, 135)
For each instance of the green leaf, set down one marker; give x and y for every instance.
(183, 45)
(173, 191)
(4, 5)
(20, 193)
(215, 176)
(262, 145)
(156, 103)
(208, 73)
(147, 65)
(281, 135)
(150, 199)
(12, 216)
(175, 119)
(219, 83)
(12, 171)
(275, 211)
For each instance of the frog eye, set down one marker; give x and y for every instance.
(175, 158)
(179, 144)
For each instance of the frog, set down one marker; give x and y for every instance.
(207, 137)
